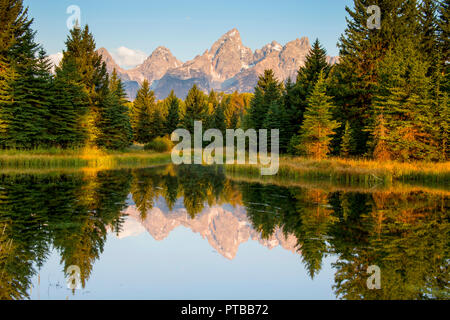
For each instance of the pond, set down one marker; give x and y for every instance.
(194, 232)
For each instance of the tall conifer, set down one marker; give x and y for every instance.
(173, 115)
(318, 127)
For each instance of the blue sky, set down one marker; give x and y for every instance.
(188, 28)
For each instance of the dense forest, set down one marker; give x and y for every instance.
(386, 99)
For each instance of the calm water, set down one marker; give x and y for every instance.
(193, 233)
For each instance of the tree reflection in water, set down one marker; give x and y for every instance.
(404, 233)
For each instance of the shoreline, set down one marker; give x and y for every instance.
(351, 171)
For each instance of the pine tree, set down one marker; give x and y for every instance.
(173, 116)
(429, 33)
(68, 108)
(80, 48)
(24, 80)
(346, 144)
(196, 105)
(14, 20)
(443, 26)
(405, 103)
(141, 116)
(213, 103)
(355, 80)
(157, 122)
(315, 63)
(318, 126)
(276, 118)
(443, 121)
(267, 92)
(115, 132)
(442, 78)
(296, 94)
(382, 151)
(117, 120)
(219, 120)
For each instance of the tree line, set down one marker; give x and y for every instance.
(151, 119)
(79, 105)
(387, 98)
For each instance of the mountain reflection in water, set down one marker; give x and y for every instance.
(405, 232)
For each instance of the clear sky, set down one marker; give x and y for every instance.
(188, 28)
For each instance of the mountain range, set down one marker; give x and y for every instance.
(224, 227)
(227, 66)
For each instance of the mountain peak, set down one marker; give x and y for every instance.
(231, 36)
(162, 49)
(304, 42)
(104, 52)
(227, 66)
(233, 33)
(156, 65)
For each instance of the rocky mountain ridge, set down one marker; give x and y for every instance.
(224, 228)
(227, 66)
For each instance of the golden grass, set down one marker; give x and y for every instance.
(352, 171)
(336, 186)
(356, 172)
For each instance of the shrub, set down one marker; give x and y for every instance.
(160, 144)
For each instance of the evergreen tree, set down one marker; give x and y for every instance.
(405, 103)
(346, 144)
(442, 123)
(355, 80)
(318, 126)
(173, 116)
(382, 151)
(296, 94)
(316, 62)
(443, 27)
(196, 105)
(25, 81)
(157, 122)
(235, 106)
(219, 120)
(81, 48)
(69, 107)
(114, 125)
(276, 118)
(143, 107)
(428, 30)
(213, 103)
(267, 92)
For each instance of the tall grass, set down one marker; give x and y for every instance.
(79, 158)
(362, 172)
(354, 172)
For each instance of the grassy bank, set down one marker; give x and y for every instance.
(365, 173)
(80, 158)
(356, 172)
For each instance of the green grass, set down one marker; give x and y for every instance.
(80, 158)
(356, 172)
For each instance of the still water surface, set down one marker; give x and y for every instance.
(194, 232)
